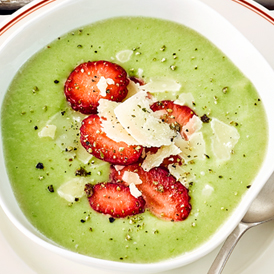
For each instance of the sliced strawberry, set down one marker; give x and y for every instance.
(81, 87)
(165, 197)
(116, 175)
(176, 115)
(137, 80)
(96, 142)
(116, 200)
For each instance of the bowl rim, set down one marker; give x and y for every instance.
(44, 7)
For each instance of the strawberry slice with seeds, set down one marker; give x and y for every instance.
(165, 197)
(116, 200)
(175, 115)
(97, 143)
(137, 80)
(91, 81)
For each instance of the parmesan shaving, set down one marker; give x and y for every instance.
(141, 124)
(186, 99)
(111, 125)
(192, 149)
(161, 84)
(83, 155)
(180, 174)
(131, 177)
(66, 124)
(132, 89)
(103, 84)
(48, 131)
(134, 191)
(118, 167)
(73, 189)
(124, 55)
(192, 126)
(159, 113)
(207, 190)
(140, 72)
(154, 160)
(224, 138)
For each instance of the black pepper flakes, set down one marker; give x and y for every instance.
(88, 190)
(111, 219)
(163, 48)
(225, 90)
(56, 81)
(82, 172)
(51, 188)
(40, 166)
(205, 119)
(35, 89)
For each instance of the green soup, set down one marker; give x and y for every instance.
(160, 49)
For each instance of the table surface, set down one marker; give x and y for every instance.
(15, 257)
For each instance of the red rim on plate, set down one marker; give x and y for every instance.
(24, 14)
(43, 3)
(256, 9)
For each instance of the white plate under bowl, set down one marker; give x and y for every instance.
(42, 21)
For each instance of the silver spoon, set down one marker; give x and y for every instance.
(260, 211)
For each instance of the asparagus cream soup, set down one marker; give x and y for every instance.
(214, 156)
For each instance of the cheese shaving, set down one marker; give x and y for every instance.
(131, 177)
(83, 155)
(124, 55)
(134, 191)
(72, 189)
(180, 174)
(162, 84)
(141, 124)
(224, 138)
(111, 125)
(186, 99)
(192, 149)
(48, 131)
(193, 125)
(103, 84)
(207, 190)
(155, 160)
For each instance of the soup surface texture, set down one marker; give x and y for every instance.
(153, 48)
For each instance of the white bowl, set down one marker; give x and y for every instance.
(40, 22)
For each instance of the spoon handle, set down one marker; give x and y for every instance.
(227, 248)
